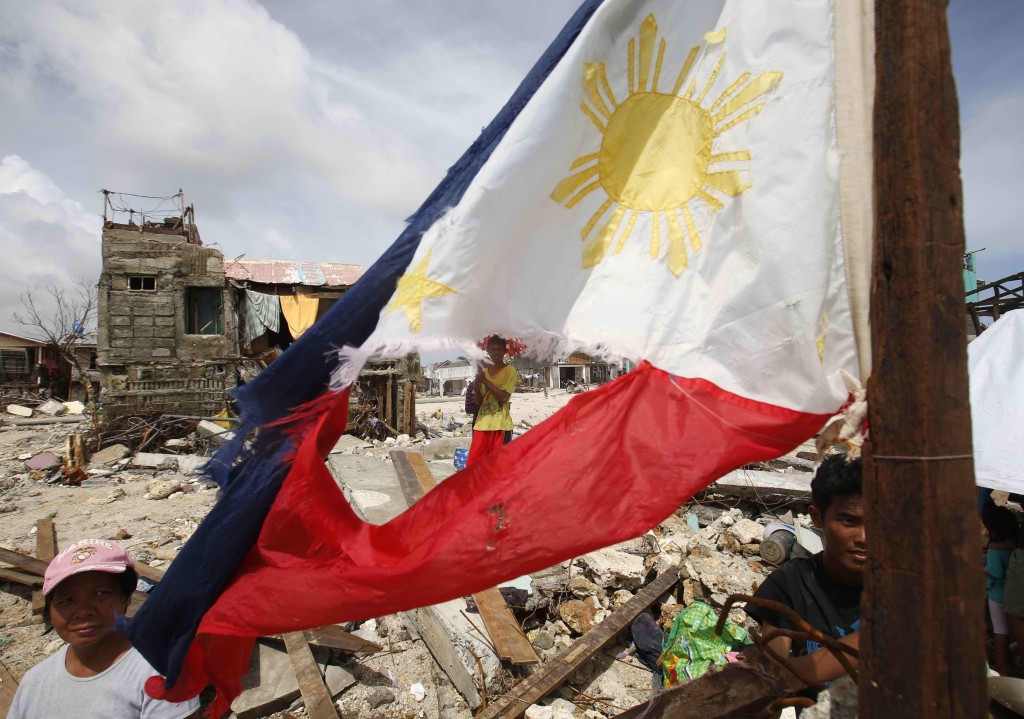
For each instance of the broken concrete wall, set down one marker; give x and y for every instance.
(166, 336)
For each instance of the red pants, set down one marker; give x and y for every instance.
(484, 443)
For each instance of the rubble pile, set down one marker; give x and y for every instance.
(141, 485)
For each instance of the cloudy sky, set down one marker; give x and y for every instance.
(309, 130)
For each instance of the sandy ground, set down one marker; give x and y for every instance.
(529, 407)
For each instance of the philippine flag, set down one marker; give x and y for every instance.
(686, 184)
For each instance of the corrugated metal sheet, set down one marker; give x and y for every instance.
(289, 272)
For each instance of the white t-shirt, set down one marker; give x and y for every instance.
(49, 691)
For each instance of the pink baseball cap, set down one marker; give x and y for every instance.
(86, 555)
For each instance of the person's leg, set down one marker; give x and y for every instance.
(1001, 629)
(483, 444)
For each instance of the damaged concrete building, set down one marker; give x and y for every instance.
(166, 336)
(179, 326)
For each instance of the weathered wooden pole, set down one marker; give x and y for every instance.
(923, 635)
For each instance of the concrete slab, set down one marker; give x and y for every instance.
(753, 483)
(369, 485)
(19, 411)
(271, 685)
(347, 441)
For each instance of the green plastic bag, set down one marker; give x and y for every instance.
(692, 647)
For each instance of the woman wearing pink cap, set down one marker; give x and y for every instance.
(97, 673)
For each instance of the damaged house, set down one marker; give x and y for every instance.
(179, 326)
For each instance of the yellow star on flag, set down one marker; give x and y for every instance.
(413, 288)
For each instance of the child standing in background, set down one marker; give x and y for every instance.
(1003, 529)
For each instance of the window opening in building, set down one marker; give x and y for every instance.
(15, 361)
(204, 311)
(141, 283)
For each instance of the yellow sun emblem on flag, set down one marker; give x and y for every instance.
(658, 153)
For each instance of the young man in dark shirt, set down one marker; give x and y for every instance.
(823, 589)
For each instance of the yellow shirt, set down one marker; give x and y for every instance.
(494, 416)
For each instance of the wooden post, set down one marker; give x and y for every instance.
(46, 549)
(923, 635)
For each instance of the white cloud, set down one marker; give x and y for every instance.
(47, 237)
(215, 87)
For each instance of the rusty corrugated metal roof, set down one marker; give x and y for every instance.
(293, 272)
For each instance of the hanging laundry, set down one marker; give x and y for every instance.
(299, 312)
(262, 313)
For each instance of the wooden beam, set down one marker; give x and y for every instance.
(921, 519)
(315, 696)
(46, 550)
(333, 637)
(737, 690)
(152, 574)
(7, 689)
(29, 580)
(23, 561)
(509, 641)
(554, 673)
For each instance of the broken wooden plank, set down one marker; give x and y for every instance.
(29, 580)
(509, 641)
(150, 574)
(23, 561)
(8, 687)
(46, 550)
(748, 689)
(333, 637)
(553, 674)
(319, 704)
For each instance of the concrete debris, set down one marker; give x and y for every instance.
(74, 408)
(19, 411)
(162, 489)
(613, 568)
(580, 616)
(111, 454)
(155, 461)
(52, 408)
(214, 432)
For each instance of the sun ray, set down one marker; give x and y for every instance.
(691, 229)
(711, 80)
(728, 182)
(655, 234)
(583, 160)
(595, 250)
(685, 72)
(736, 85)
(745, 116)
(738, 156)
(657, 66)
(648, 32)
(608, 88)
(711, 200)
(677, 259)
(593, 118)
(583, 193)
(572, 183)
(626, 233)
(595, 217)
(593, 73)
(631, 66)
(762, 84)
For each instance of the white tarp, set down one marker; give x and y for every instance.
(996, 368)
